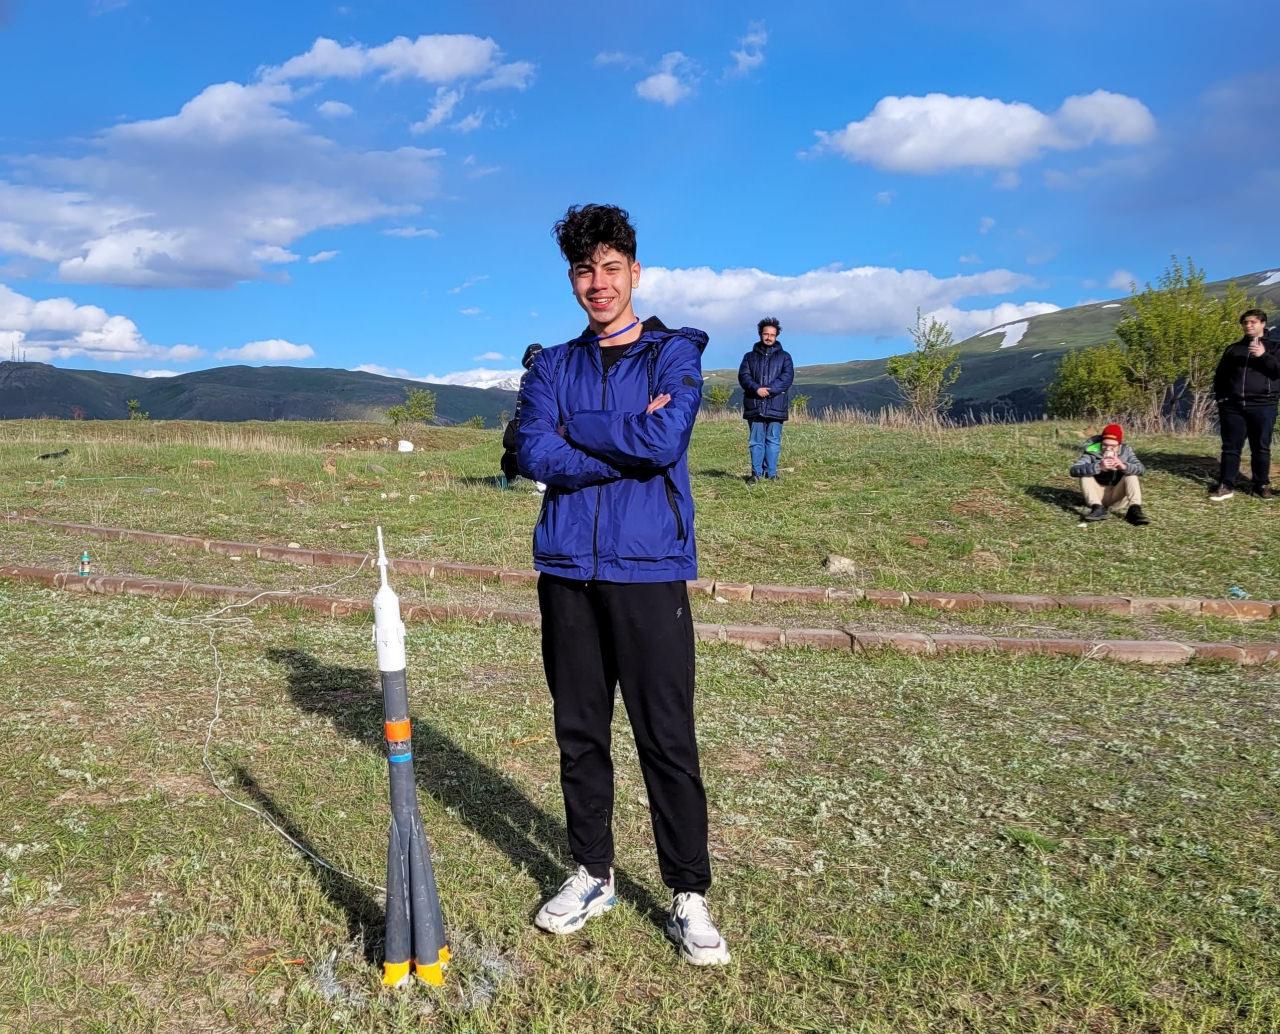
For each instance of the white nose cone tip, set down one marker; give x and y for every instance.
(388, 629)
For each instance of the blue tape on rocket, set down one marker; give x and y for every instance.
(399, 757)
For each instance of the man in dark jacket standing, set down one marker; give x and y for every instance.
(605, 421)
(1247, 385)
(766, 373)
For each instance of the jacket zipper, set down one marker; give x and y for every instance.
(671, 502)
(595, 530)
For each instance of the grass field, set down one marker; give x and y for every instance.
(976, 508)
(964, 844)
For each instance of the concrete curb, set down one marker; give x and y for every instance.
(1239, 610)
(749, 637)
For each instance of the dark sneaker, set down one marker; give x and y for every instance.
(1136, 517)
(752, 479)
(1096, 513)
(1265, 492)
(1220, 493)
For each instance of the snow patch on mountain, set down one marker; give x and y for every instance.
(1013, 333)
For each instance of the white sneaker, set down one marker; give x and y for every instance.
(690, 927)
(1220, 493)
(579, 898)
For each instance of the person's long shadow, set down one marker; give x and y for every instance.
(1068, 499)
(1203, 470)
(364, 914)
(482, 797)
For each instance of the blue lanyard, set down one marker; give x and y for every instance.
(606, 337)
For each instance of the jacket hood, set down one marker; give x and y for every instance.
(762, 348)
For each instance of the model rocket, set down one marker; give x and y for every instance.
(415, 926)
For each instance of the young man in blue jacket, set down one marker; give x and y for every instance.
(766, 373)
(605, 421)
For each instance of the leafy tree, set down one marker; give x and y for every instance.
(475, 420)
(800, 405)
(718, 396)
(419, 405)
(1174, 338)
(136, 412)
(1163, 361)
(1092, 382)
(923, 375)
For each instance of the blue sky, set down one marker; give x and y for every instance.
(372, 184)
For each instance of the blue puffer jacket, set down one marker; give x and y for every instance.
(766, 368)
(618, 507)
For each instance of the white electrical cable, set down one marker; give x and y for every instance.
(208, 623)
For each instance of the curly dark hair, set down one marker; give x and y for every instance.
(1253, 312)
(585, 228)
(769, 321)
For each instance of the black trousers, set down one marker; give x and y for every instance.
(1238, 421)
(595, 636)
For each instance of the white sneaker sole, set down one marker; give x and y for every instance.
(697, 956)
(561, 925)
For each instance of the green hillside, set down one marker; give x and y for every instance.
(1008, 380)
(231, 393)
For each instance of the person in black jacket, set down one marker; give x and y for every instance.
(510, 468)
(765, 374)
(1246, 386)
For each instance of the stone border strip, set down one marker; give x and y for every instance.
(749, 637)
(745, 592)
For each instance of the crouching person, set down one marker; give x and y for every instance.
(1109, 471)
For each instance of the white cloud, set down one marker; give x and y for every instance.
(939, 132)
(479, 378)
(750, 53)
(884, 197)
(986, 224)
(432, 59)
(517, 75)
(675, 79)
(488, 357)
(616, 57)
(441, 108)
(1121, 279)
(471, 281)
(470, 310)
(970, 259)
(476, 171)
(869, 300)
(470, 123)
(967, 322)
(323, 256)
(218, 192)
(58, 328)
(155, 373)
(271, 350)
(387, 371)
(205, 198)
(411, 231)
(335, 109)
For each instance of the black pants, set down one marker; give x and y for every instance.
(596, 635)
(1238, 421)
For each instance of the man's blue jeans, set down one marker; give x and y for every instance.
(764, 442)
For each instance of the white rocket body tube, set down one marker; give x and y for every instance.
(388, 629)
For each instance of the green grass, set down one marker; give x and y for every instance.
(959, 844)
(987, 508)
(975, 844)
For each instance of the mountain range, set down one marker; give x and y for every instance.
(1005, 370)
